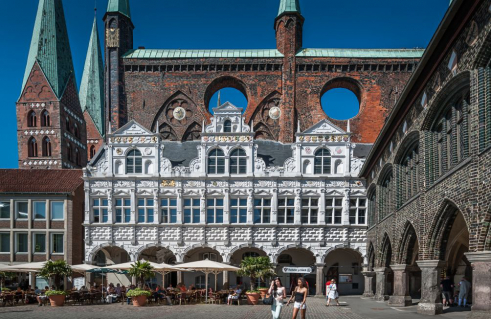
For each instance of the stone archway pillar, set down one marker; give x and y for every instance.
(381, 283)
(431, 295)
(401, 297)
(369, 281)
(481, 283)
(319, 279)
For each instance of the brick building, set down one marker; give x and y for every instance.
(428, 172)
(41, 213)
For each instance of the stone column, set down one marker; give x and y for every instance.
(481, 283)
(431, 295)
(319, 279)
(381, 283)
(369, 281)
(225, 280)
(401, 297)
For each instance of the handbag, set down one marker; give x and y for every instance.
(268, 300)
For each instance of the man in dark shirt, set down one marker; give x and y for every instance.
(447, 287)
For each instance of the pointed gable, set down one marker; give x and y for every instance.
(132, 128)
(92, 86)
(324, 127)
(50, 46)
(121, 6)
(227, 107)
(289, 6)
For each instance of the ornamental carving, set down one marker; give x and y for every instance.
(100, 184)
(290, 164)
(146, 184)
(112, 37)
(266, 119)
(124, 184)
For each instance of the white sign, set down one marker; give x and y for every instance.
(78, 282)
(297, 270)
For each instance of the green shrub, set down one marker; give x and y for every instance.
(55, 293)
(138, 292)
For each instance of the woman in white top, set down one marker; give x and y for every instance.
(279, 294)
(332, 292)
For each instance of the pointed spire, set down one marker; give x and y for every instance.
(157, 128)
(348, 129)
(92, 86)
(219, 99)
(289, 6)
(203, 127)
(50, 46)
(121, 6)
(298, 127)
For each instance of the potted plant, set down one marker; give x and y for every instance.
(56, 270)
(254, 268)
(139, 296)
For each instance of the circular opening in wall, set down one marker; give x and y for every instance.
(228, 94)
(340, 104)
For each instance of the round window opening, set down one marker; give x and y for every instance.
(230, 95)
(340, 104)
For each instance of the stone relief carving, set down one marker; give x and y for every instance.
(290, 164)
(195, 165)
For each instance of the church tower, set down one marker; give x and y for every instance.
(50, 125)
(92, 93)
(119, 40)
(288, 26)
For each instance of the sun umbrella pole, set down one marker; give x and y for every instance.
(206, 286)
(216, 281)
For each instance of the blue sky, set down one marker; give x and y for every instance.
(217, 24)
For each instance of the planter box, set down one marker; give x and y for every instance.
(57, 300)
(252, 298)
(139, 301)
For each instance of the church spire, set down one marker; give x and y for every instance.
(289, 6)
(50, 46)
(121, 6)
(92, 86)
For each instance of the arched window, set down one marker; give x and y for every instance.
(92, 151)
(67, 124)
(69, 152)
(32, 147)
(31, 119)
(409, 174)
(75, 131)
(216, 162)
(322, 164)
(451, 135)
(46, 147)
(45, 119)
(238, 162)
(77, 157)
(134, 162)
(227, 126)
(386, 195)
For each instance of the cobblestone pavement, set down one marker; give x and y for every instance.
(351, 308)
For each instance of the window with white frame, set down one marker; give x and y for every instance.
(238, 210)
(100, 211)
(191, 211)
(286, 210)
(145, 210)
(57, 243)
(4, 242)
(39, 209)
(39, 243)
(210, 256)
(4, 209)
(21, 209)
(238, 162)
(216, 162)
(57, 211)
(214, 211)
(134, 162)
(21, 243)
(322, 161)
(168, 210)
(309, 210)
(334, 210)
(358, 211)
(262, 210)
(123, 210)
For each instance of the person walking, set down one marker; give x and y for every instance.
(279, 294)
(332, 293)
(300, 296)
(447, 287)
(465, 287)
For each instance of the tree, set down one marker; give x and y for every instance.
(142, 271)
(55, 270)
(5, 275)
(256, 267)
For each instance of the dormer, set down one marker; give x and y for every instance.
(228, 119)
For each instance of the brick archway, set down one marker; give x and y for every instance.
(225, 82)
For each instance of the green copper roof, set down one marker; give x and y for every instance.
(362, 53)
(289, 6)
(92, 86)
(50, 46)
(190, 54)
(121, 6)
(323, 53)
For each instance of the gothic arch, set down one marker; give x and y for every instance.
(440, 228)
(264, 126)
(409, 241)
(371, 257)
(193, 132)
(385, 252)
(483, 57)
(458, 83)
(224, 82)
(484, 238)
(407, 142)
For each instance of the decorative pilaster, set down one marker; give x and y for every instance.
(250, 207)
(202, 207)
(274, 207)
(321, 215)
(133, 206)
(297, 218)
(110, 211)
(179, 207)
(431, 295)
(226, 206)
(345, 212)
(401, 296)
(156, 210)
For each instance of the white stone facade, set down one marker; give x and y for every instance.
(219, 209)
